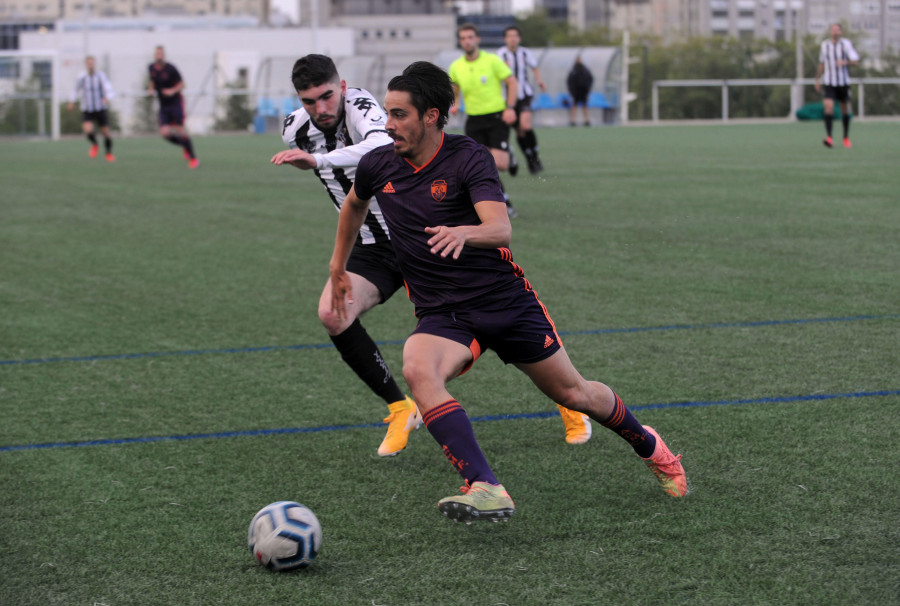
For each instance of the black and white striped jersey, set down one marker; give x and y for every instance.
(91, 90)
(338, 152)
(831, 53)
(520, 62)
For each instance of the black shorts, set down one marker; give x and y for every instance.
(521, 332)
(377, 263)
(489, 129)
(524, 105)
(579, 97)
(838, 93)
(171, 113)
(100, 117)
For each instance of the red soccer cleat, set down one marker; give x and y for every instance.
(110, 158)
(847, 143)
(193, 163)
(828, 142)
(95, 149)
(667, 467)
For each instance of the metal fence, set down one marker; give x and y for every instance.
(796, 86)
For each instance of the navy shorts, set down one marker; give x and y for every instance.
(838, 93)
(100, 117)
(171, 113)
(377, 263)
(490, 130)
(519, 332)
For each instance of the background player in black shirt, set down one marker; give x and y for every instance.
(166, 81)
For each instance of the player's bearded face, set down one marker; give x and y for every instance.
(324, 103)
(404, 124)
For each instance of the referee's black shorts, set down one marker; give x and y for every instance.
(489, 129)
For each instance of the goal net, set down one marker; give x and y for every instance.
(29, 94)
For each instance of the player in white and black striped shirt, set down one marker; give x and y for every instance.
(520, 60)
(94, 90)
(335, 127)
(835, 57)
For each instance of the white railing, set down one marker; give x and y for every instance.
(726, 85)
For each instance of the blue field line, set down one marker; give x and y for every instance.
(597, 331)
(481, 419)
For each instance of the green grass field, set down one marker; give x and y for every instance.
(163, 376)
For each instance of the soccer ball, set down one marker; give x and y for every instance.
(284, 536)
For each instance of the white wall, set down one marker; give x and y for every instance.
(206, 58)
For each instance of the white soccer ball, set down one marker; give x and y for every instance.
(284, 536)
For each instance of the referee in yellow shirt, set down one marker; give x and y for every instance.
(477, 76)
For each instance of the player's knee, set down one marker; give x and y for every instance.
(417, 373)
(333, 323)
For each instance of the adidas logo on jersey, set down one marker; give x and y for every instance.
(548, 341)
(389, 189)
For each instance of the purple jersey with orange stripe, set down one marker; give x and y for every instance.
(443, 192)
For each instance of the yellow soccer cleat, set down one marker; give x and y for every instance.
(403, 419)
(667, 467)
(479, 501)
(578, 425)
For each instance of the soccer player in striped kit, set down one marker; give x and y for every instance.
(520, 60)
(334, 128)
(441, 198)
(836, 56)
(93, 90)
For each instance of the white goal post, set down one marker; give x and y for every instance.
(24, 81)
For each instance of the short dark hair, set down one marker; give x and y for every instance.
(512, 28)
(428, 87)
(313, 70)
(467, 26)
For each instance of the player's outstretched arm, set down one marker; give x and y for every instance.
(353, 214)
(294, 157)
(495, 231)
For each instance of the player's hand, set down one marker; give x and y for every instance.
(454, 109)
(341, 292)
(509, 116)
(818, 87)
(70, 106)
(294, 157)
(543, 87)
(446, 240)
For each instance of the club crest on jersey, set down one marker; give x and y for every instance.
(438, 189)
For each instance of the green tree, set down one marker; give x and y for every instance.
(234, 111)
(144, 120)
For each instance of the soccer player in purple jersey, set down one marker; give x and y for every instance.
(166, 82)
(441, 198)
